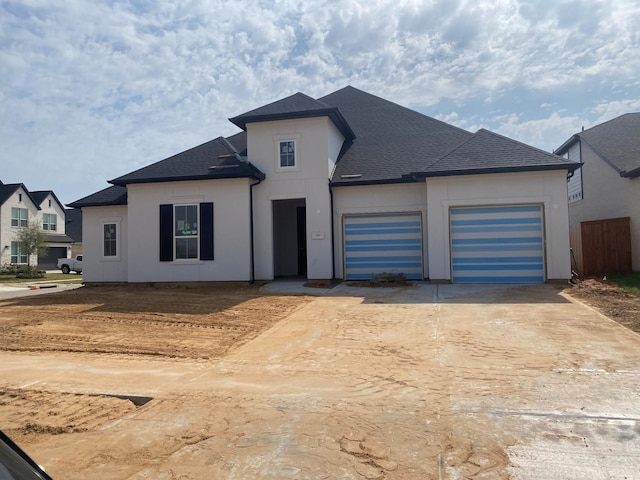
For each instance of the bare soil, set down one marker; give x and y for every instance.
(182, 323)
(360, 424)
(610, 300)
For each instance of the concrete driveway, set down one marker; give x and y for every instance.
(431, 382)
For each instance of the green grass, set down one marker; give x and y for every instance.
(49, 277)
(629, 282)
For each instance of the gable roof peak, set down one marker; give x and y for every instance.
(616, 141)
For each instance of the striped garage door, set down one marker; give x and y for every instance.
(379, 243)
(501, 244)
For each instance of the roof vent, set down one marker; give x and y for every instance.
(351, 175)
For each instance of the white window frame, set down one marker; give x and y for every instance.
(46, 225)
(177, 237)
(278, 140)
(108, 221)
(114, 240)
(20, 222)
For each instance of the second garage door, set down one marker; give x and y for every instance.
(497, 244)
(377, 243)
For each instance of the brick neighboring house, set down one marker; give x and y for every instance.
(608, 184)
(19, 207)
(344, 186)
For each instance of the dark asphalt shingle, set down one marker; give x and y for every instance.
(213, 159)
(73, 227)
(391, 140)
(114, 195)
(487, 152)
(618, 142)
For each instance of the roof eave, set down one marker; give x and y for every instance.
(352, 183)
(123, 183)
(564, 148)
(333, 113)
(479, 171)
(631, 173)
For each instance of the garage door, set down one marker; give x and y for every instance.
(48, 261)
(379, 243)
(500, 244)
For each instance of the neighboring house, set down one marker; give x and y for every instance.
(74, 230)
(53, 216)
(608, 184)
(18, 208)
(344, 186)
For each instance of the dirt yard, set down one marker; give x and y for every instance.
(181, 323)
(193, 327)
(610, 300)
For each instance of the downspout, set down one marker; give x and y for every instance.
(333, 235)
(253, 268)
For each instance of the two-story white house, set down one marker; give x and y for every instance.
(345, 186)
(20, 207)
(608, 184)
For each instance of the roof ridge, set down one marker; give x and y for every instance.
(553, 155)
(607, 121)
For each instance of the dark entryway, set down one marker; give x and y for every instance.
(290, 238)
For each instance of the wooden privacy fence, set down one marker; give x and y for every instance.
(602, 246)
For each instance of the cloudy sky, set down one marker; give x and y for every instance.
(90, 90)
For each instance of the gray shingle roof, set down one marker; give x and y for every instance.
(213, 159)
(488, 152)
(385, 143)
(8, 189)
(298, 105)
(57, 238)
(617, 142)
(73, 227)
(391, 141)
(41, 195)
(298, 102)
(114, 195)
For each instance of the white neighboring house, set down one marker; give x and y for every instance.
(608, 184)
(344, 186)
(18, 208)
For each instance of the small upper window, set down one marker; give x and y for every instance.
(287, 153)
(49, 221)
(19, 217)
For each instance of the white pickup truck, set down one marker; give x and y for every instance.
(70, 264)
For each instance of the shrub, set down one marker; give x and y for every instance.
(26, 271)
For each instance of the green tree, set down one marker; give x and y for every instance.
(33, 241)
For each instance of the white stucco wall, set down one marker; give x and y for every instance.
(230, 226)
(546, 188)
(405, 197)
(96, 267)
(317, 146)
(608, 195)
(7, 232)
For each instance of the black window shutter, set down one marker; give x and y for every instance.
(206, 231)
(166, 233)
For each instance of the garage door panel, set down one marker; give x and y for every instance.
(379, 243)
(501, 244)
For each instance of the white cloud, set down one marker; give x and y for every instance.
(92, 90)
